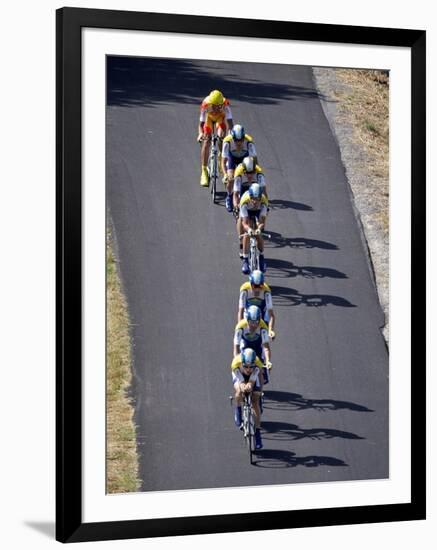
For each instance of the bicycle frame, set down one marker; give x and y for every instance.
(248, 424)
(253, 253)
(253, 250)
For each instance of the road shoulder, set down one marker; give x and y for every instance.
(369, 190)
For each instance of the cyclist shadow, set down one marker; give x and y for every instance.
(281, 269)
(283, 205)
(283, 431)
(285, 401)
(285, 296)
(279, 241)
(276, 458)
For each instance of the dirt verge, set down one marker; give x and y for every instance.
(356, 104)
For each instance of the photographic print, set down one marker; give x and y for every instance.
(247, 255)
(224, 217)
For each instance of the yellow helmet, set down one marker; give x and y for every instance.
(216, 98)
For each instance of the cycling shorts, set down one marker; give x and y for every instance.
(256, 345)
(245, 187)
(254, 214)
(232, 162)
(208, 125)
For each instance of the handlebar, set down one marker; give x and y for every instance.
(205, 137)
(266, 235)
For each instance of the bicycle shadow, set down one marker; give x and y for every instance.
(279, 241)
(282, 269)
(220, 197)
(284, 296)
(276, 458)
(285, 401)
(283, 431)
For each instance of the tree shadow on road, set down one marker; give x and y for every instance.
(149, 82)
(284, 296)
(282, 269)
(282, 431)
(285, 401)
(275, 458)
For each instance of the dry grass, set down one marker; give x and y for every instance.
(121, 453)
(366, 107)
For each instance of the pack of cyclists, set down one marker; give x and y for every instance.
(246, 197)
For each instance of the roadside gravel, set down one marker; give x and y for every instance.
(369, 192)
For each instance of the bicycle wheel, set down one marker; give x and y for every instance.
(253, 255)
(213, 172)
(214, 184)
(249, 426)
(251, 435)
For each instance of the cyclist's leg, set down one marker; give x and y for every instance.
(265, 315)
(238, 400)
(230, 165)
(238, 395)
(259, 238)
(206, 144)
(253, 222)
(229, 172)
(256, 401)
(221, 128)
(230, 169)
(245, 239)
(256, 395)
(204, 153)
(229, 181)
(260, 243)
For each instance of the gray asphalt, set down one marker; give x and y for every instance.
(326, 410)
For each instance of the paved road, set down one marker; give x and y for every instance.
(326, 412)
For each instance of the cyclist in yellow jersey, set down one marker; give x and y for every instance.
(256, 292)
(236, 146)
(252, 332)
(253, 214)
(215, 110)
(246, 370)
(246, 173)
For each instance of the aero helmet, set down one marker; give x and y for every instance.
(216, 98)
(238, 132)
(249, 164)
(256, 277)
(248, 356)
(253, 313)
(255, 190)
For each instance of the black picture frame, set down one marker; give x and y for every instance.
(69, 524)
